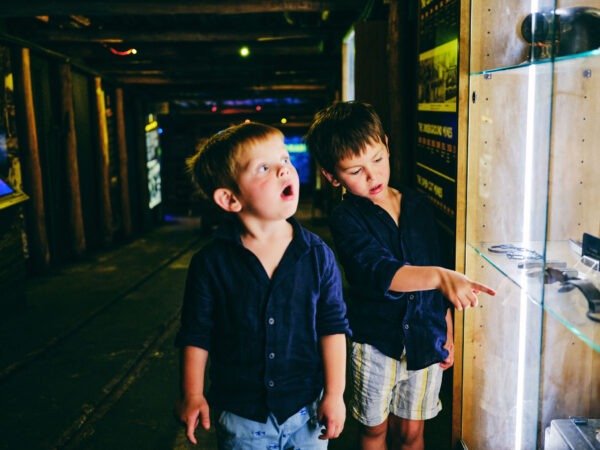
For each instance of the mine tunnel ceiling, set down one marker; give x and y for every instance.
(187, 53)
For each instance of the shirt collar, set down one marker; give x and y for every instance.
(231, 230)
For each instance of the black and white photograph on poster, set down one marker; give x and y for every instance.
(154, 184)
(153, 154)
(438, 78)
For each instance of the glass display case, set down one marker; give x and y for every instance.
(532, 353)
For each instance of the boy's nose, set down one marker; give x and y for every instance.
(284, 169)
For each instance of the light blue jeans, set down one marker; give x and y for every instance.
(300, 432)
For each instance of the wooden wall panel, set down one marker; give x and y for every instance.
(574, 206)
(532, 175)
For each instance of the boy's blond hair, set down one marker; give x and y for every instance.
(215, 164)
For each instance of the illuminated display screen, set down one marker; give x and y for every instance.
(300, 158)
(5, 189)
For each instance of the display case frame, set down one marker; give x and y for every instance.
(530, 170)
(10, 195)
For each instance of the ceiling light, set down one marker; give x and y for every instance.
(114, 51)
(244, 51)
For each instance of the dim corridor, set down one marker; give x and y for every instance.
(88, 361)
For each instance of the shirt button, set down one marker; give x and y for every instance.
(271, 383)
(411, 297)
(271, 355)
(406, 327)
(271, 321)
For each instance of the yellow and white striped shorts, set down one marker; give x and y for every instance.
(383, 386)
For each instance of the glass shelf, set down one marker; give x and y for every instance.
(541, 62)
(568, 307)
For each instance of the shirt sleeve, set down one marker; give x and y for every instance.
(366, 261)
(196, 314)
(331, 308)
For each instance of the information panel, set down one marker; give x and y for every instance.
(153, 154)
(437, 114)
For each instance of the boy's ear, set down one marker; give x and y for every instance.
(227, 200)
(331, 178)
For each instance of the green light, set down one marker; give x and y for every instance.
(244, 51)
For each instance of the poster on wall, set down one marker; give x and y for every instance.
(153, 154)
(437, 109)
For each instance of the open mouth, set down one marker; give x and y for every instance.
(288, 191)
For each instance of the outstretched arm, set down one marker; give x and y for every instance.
(193, 408)
(332, 411)
(456, 287)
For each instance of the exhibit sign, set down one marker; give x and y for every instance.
(437, 108)
(153, 155)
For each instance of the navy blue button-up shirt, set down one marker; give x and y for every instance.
(262, 334)
(372, 248)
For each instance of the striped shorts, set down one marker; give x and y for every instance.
(382, 385)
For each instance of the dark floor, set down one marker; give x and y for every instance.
(88, 362)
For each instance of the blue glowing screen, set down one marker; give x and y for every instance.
(300, 157)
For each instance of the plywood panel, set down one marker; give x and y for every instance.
(532, 177)
(574, 206)
(570, 384)
(495, 40)
(508, 157)
(499, 383)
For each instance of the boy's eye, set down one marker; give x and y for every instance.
(379, 159)
(355, 172)
(286, 160)
(263, 168)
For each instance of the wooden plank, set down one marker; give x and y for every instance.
(574, 206)
(570, 385)
(123, 164)
(461, 210)
(102, 165)
(115, 37)
(76, 228)
(500, 384)
(101, 8)
(37, 233)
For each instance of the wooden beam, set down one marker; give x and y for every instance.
(201, 75)
(102, 165)
(36, 214)
(115, 37)
(13, 8)
(206, 63)
(191, 51)
(210, 83)
(199, 95)
(123, 164)
(76, 228)
(461, 215)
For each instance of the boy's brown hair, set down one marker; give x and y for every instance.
(215, 165)
(343, 130)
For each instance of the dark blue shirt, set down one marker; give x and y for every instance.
(262, 334)
(371, 249)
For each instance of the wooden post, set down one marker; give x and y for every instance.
(77, 233)
(142, 165)
(123, 167)
(102, 160)
(461, 210)
(397, 124)
(36, 217)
